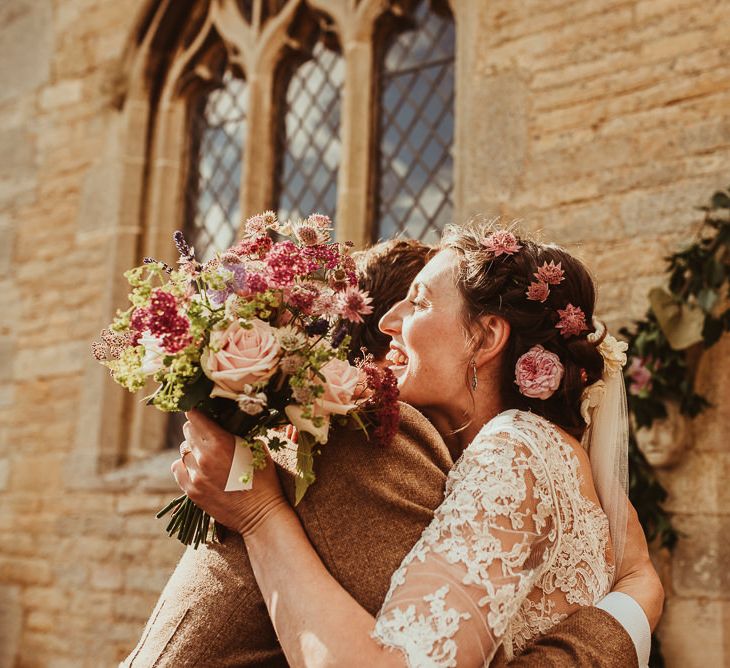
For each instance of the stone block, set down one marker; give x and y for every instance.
(693, 632)
(106, 576)
(25, 571)
(699, 567)
(11, 623)
(26, 33)
(60, 359)
(145, 578)
(698, 483)
(4, 473)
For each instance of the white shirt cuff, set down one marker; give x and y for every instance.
(631, 616)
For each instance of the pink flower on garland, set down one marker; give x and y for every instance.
(501, 243)
(551, 273)
(538, 373)
(353, 303)
(640, 375)
(572, 321)
(538, 291)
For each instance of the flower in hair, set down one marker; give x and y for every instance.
(572, 321)
(538, 291)
(538, 373)
(550, 273)
(501, 243)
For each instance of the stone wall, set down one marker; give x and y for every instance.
(601, 123)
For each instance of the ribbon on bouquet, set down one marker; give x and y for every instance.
(241, 467)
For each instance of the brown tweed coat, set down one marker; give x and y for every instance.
(364, 513)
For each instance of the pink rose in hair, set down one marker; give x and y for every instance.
(538, 373)
(501, 243)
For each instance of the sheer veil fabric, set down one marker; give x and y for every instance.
(606, 439)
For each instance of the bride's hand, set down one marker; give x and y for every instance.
(203, 471)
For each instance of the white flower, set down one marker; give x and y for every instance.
(153, 353)
(252, 404)
(591, 397)
(290, 338)
(614, 355)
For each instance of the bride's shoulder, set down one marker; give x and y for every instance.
(518, 426)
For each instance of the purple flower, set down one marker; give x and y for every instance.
(237, 283)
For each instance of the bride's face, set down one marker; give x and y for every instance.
(428, 352)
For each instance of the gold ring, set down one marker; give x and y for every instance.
(185, 449)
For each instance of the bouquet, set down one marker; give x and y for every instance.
(257, 339)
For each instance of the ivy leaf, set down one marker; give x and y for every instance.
(681, 323)
(305, 468)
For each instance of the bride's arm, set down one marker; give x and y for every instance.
(637, 577)
(317, 622)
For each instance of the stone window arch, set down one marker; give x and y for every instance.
(193, 59)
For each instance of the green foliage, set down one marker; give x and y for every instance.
(682, 322)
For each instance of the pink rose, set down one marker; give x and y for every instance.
(238, 357)
(339, 386)
(538, 373)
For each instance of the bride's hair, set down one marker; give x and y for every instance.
(497, 284)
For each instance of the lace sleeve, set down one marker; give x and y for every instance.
(455, 593)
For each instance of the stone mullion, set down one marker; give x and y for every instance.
(353, 185)
(259, 153)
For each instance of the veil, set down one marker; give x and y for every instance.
(606, 438)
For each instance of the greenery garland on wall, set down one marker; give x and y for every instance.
(683, 320)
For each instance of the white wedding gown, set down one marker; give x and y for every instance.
(514, 548)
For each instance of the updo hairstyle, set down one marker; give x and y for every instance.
(497, 285)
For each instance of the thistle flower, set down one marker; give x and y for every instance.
(551, 273)
(501, 242)
(353, 303)
(538, 291)
(572, 321)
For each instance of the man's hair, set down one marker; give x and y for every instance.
(385, 271)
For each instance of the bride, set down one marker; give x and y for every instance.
(495, 344)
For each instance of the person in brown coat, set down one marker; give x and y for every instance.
(366, 510)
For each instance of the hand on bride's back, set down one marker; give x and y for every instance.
(203, 472)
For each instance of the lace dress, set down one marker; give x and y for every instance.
(514, 548)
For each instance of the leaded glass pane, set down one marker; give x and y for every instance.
(214, 182)
(417, 129)
(309, 144)
(212, 218)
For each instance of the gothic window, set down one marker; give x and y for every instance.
(217, 124)
(212, 216)
(416, 126)
(309, 137)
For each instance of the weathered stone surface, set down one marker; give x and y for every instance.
(706, 620)
(11, 623)
(699, 567)
(26, 39)
(601, 123)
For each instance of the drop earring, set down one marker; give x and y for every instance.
(474, 380)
